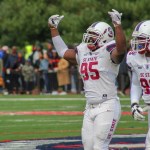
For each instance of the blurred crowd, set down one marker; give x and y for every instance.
(38, 70)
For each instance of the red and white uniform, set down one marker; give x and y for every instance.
(103, 109)
(98, 73)
(140, 86)
(140, 64)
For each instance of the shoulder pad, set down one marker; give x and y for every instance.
(130, 57)
(110, 47)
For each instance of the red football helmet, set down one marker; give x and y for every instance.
(97, 35)
(141, 37)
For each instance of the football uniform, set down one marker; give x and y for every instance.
(103, 109)
(140, 64)
(98, 73)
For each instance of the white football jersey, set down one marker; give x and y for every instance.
(141, 66)
(98, 72)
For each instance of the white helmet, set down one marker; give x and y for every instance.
(141, 37)
(98, 34)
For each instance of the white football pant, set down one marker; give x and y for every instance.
(99, 124)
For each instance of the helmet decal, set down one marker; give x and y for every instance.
(138, 26)
(94, 24)
(105, 31)
(110, 33)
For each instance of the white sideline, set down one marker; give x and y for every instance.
(39, 99)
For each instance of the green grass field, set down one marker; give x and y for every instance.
(23, 127)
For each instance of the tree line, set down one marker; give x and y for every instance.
(25, 21)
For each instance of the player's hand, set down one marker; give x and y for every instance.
(115, 16)
(54, 20)
(137, 112)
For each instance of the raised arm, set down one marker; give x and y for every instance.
(59, 44)
(118, 54)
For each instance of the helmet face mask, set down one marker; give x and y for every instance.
(141, 37)
(139, 44)
(91, 37)
(97, 35)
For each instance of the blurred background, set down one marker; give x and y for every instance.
(25, 21)
(29, 63)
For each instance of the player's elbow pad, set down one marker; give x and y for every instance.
(59, 45)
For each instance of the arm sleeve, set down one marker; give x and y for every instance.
(59, 45)
(136, 90)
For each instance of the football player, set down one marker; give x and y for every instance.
(98, 58)
(139, 61)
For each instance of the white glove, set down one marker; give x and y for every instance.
(54, 20)
(137, 112)
(115, 16)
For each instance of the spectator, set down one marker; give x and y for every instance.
(21, 62)
(53, 64)
(28, 74)
(50, 48)
(43, 68)
(38, 74)
(4, 75)
(63, 76)
(12, 70)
